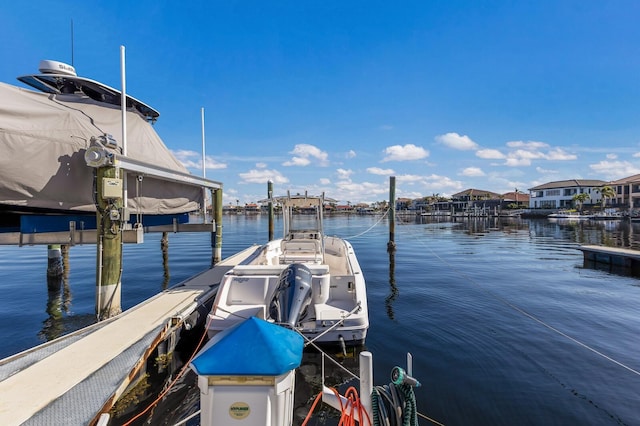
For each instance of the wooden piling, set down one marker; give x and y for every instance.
(270, 197)
(391, 245)
(54, 261)
(109, 247)
(164, 245)
(217, 254)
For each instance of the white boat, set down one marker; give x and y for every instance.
(569, 216)
(305, 280)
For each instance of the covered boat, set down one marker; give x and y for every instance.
(45, 135)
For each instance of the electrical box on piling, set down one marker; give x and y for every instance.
(246, 375)
(111, 188)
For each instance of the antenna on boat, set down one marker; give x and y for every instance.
(204, 168)
(72, 42)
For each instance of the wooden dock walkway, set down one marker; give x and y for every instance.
(69, 380)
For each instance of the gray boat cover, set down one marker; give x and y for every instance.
(43, 139)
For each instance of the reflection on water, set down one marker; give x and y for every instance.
(610, 233)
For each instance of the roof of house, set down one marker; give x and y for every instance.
(570, 183)
(628, 179)
(471, 192)
(512, 196)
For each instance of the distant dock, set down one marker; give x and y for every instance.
(73, 379)
(617, 259)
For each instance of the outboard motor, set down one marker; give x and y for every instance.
(292, 295)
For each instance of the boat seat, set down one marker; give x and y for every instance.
(299, 250)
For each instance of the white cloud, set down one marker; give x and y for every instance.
(379, 171)
(614, 169)
(437, 183)
(325, 181)
(386, 127)
(472, 172)
(456, 141)
(409, 178)
(351, 154)
(545, 171)
(525, 152)
(344, 174)
(636, 155)
(193, 160)
(261, 165)
(527, 144)
(297, 161)
(407, 152)
(263, 176)
(303, 153)
(558, 154)
(612, 156)
(490, 154)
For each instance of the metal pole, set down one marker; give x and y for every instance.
(270, 196)
(391, 245)
(123, 107)
(204, 169)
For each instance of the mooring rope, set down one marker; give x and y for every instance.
(525, 313)
(370, 228)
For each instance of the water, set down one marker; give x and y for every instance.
(505, 324)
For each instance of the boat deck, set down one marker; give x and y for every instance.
(69, 380)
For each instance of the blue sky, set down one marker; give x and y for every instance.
(336, 96)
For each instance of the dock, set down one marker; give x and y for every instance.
(614, 257)
(74, 378)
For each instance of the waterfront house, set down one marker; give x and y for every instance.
(474, 199)
(627, 192)
(515, 197)
(559, 194)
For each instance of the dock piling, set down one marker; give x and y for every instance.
(270, 196)
(217, 250)
(54, 261)
(391, 245)
(109, 247)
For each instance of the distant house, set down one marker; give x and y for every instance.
(474, 198)
(627, 192)
(559, 194)
(344, 208)
(251, 208)
(403, 203)
(515, 197)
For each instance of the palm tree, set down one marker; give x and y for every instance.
(579, 199)
(606, 192)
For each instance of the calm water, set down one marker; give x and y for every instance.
(505, 324)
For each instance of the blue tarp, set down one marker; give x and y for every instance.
(254, 347)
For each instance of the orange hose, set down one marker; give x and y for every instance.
(315, 402)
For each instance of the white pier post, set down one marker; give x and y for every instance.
(366, 381)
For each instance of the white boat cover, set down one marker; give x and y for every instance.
(43, 138)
